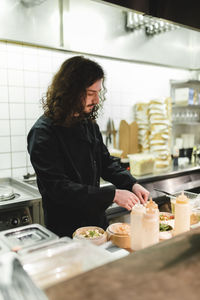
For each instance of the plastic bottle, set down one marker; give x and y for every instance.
(137, 213)
(182, 214)
(151, 224)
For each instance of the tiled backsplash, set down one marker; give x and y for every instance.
(25, 73)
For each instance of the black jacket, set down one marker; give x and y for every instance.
(69, 163)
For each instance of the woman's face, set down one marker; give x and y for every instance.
(92, 96)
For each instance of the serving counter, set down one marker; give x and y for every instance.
(169, 269)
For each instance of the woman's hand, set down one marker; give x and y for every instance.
(140, 192)
(125, 199)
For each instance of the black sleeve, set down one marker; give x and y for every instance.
(112, 171)
(48, 162)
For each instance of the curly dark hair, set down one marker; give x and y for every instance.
(64, 98)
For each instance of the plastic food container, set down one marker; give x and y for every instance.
(94, 234)
(119, 234)
(62, 260)
(141, 163)
(189, 195)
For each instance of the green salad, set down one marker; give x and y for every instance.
(165, 227)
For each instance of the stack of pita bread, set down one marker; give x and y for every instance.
(142, 119)
(160, 131)
(154, 130)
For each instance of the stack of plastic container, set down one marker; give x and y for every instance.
(142, 119)
(160, 131)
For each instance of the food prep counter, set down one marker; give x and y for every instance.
(170, 268)
(173, 180)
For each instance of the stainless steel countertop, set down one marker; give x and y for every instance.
(171, 171)
(161, 174)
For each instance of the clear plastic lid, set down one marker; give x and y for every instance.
(61, 261)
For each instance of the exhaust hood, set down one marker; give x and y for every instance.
(179, 11)
(99, 28)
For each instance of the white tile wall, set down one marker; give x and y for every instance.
(5, 161)
(4, 111)
(15, 78)
(17, 111)
(16, 94)
(18, 143)
(18, 127)
(19, 172)
(30, 62)
(4, 128)
(33, 111)
(31, 79)
(19, 159)
(31, 95)
(3, 77)
(3, 93)
(6, 173)
(26, 72)
(15, 60)
(3, 59)
(5, 144)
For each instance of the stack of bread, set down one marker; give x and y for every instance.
(141, 117)
(160, 131)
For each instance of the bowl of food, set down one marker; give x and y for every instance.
(166, 216)
(166, 225)
(195, 216)
(165, 231)
(120, 234)
(94, 234)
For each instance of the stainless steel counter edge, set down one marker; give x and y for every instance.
(164, 174)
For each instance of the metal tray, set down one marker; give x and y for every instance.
(3, 248)
(190, 195)
(26, 236)
(38, 249)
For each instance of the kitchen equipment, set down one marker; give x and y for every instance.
(186, 152)
(20, 204)
(3, 248)
(7, 193)
(114, 134)
(108, 132)
(26, 236)
(62, 260)
(15, 282)
(164, 192)
(124, 138)
(128, 138)
(47, 245)
(133, 137)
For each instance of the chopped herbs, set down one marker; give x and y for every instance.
(91, 233)
(165, 227)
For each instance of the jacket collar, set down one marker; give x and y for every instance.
(81, 131)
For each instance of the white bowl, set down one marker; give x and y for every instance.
(99, 240)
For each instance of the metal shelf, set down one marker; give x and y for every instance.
(186, 123)
(192, 106)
